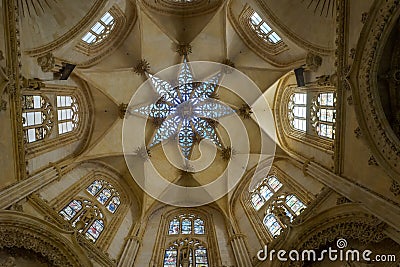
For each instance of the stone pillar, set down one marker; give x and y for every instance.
(240, 251)
(130, 251)
(25, 187)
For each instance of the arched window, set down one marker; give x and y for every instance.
(100, 30)
(37, 117)
(263, 30)
(67, 113)
(297, 108)
(264, 191)
(272, 224)
(86, 217)
(186, 224)
(186, 252)
(323, 114)
(105, 194)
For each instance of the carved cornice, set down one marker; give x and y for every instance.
(195, 8)
(384, 144)
(72, 33)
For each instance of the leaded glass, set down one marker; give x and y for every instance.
(199, 227)
(95, 187)
(274, 183)
(201, 257)
(257, 201)
(323, 114)
(272, 225)
(104, 195)
(100, 30)
(297, 107)
(67, 114)
(170, 258)
(186, 226)
(185, 108)
(263, 30)
(265, 192)
(295, 204)
(113, 204)
(95, 230)
(71, 209)
(174, 227)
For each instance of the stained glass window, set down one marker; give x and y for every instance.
(174, 227)
(86, 212)
(187, 250)
(100, 30)
(184, 108)
(186, 224)
(199, 227)
(263, 30)
(257, 201)
(105, 193)
(295, 204)
(71, 209)
(323, 114)
(298, 111)
(95, 187)
(67, 114)
(264, 191)
(272, 225)
(274, 183)
(37, 117)
(170, 258)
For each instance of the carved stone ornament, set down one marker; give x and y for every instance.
(245, 111)
(18, 230)
(227, 153)
(372, 161)
(350, 100)
(184, 49)
(364, 17)
(229, 64)
(395, 188)
(142, 67)
(46, 62)
(357, 132)
(313, 61)
(32, 84)
(3, 105)
(384, 144)
(342, 200)
(122, 108)
(143, 153)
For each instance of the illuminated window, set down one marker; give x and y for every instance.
(105, 194)
(272, 224)
(323, 114)
(263, 30)
(37, 117)
(186, 224)
(265, 191)
(188, 250)
(297, 108)
(100, 30)
(67, 114)
(86, 217)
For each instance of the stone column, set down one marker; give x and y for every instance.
(25, 187)
(130, 251)
(240, 251)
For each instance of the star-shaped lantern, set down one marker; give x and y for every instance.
(187, 111)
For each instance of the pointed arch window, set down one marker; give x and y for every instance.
(105, 194)
(37, 117)
(297, 108)
(295, 205)
(67, 114)
(86, 217)
(323, 113)
(263, 30)
(100, 30)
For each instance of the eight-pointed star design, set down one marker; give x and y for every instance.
(186, 110)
